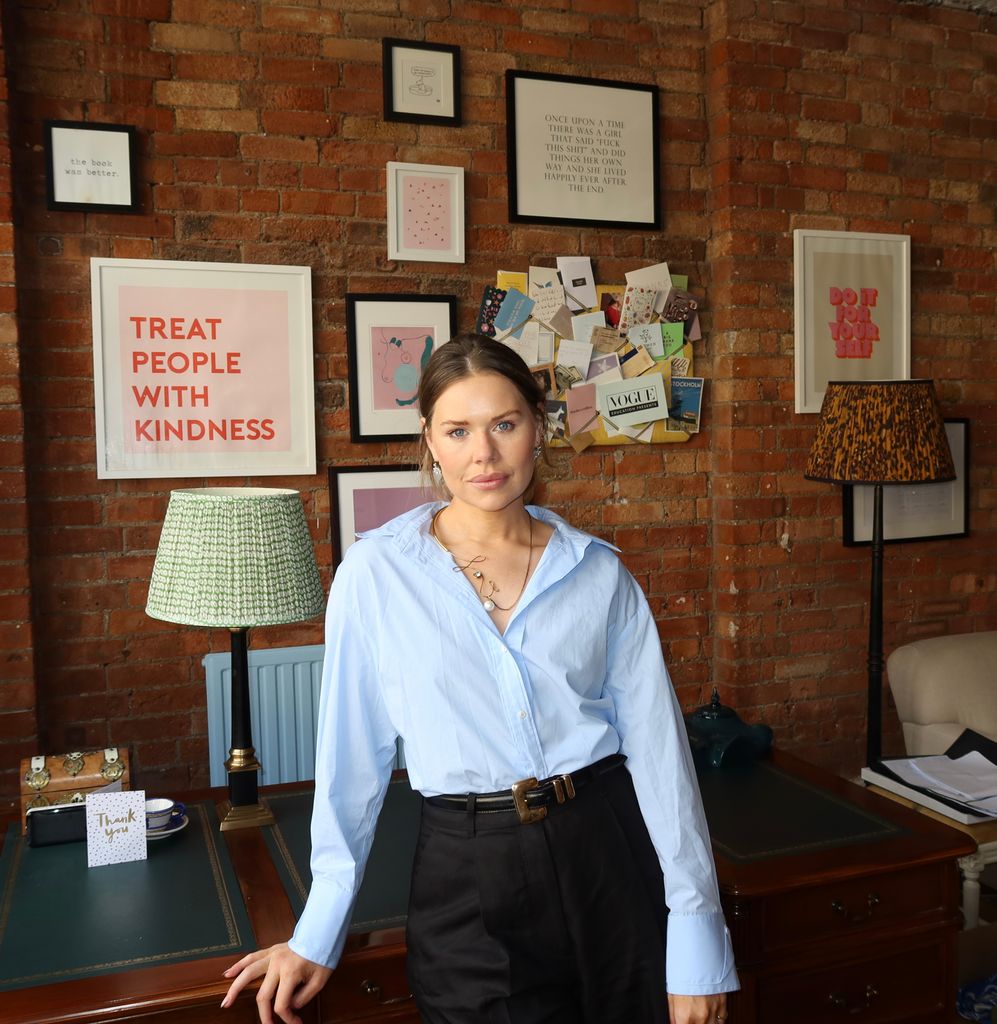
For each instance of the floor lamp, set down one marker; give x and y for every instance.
(880, 433)
(236, 557)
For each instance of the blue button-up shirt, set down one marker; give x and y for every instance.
(577, 675)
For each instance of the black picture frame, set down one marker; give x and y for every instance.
(345, 481)
(947, 515)
(414, 105)
(370, 321)
(556, 124)
(84, 159)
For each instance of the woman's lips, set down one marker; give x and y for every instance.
(488, 481)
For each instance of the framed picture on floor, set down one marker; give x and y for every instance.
(582, 151)
(425, 213)
(914, 511)
(389, 341)
(851, 308)
(421, 82)
(365, 497)
(91, 167)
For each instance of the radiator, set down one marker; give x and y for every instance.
(284, 685)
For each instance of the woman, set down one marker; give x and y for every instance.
(506, 647)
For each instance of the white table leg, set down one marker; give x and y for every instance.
(971, 867)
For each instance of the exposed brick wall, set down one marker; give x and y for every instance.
(18, 699)
(263, 142)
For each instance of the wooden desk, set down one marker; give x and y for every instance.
(368, 986)
(984, 836)
(826, 929)
(823, 928)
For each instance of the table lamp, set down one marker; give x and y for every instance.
(236, 557)
(879, 432)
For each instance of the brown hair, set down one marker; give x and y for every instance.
(468, 355)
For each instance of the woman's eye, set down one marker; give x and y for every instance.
(505, 426)
(457, 432)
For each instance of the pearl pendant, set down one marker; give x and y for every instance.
(489, 604)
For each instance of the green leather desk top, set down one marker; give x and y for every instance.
(60, 920)
(760, 811)
(383, 898)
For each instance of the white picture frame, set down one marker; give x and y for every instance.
(425, 212)
(202, 369)
(839, 335)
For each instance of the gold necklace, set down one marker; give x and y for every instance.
(486, 599)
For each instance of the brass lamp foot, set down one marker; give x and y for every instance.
(244, 816)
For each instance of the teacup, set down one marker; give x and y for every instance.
(161, 812)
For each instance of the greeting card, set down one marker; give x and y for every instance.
(638, 306)
(546, 291)
(583, 324)
(635, 361)
(605, 339)
(491, 300)
(650, 336)
(575, 353)
(115, 828)
(581, 407)
(578, 280)
(656, 278)
(527, 345)
(506, 279)
(513, 312)
(627, 403)
(673, 338)
(686, 404)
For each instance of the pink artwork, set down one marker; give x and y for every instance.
(373, 508)
(397, 358)
(427, 212)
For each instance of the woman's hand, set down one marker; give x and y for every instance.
(697, 1009)
(289, 982)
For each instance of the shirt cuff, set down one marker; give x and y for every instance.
(313, 937)
(699, 959)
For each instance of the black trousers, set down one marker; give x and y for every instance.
(557, 922)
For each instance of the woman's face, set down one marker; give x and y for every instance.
(483, 434)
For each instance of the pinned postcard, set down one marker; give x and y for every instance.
(575, 353)
(635, 361)
(605, 339)
(560, 323)
(556, 415)
(491, 300)
(603, 367)
(546, 291)
(578, 280)
(611, 302)
(581, 407)
(627, 403)
(115, 828)
(506, 279)
(583, 325)
(638, 306)
(527, 345)
(686, 404)
(650, 336)
(545, 346)
(657, 278)
(512, 313)
(673, 338)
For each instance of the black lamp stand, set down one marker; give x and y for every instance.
(243, 808)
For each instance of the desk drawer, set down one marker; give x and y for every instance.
(366, 985)
(853, 906)
(906, 987)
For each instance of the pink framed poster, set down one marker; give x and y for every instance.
(202, 369)
(425, 213)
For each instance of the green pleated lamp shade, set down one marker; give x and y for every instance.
(880, 432)
(235, 557)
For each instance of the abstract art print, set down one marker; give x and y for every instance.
(425, 213)
(390, 339)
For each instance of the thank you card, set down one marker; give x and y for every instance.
(115, 828)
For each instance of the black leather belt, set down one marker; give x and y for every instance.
(531, 797)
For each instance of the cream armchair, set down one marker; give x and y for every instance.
(942, 686)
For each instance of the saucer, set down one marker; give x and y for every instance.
(162, 833)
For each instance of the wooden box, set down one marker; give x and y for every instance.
(47, 781)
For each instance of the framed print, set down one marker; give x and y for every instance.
(91, 167)
(365, 497)
(915, 511)
(852, 310)
(202, 369)
(582, 151)
(425, 213)
(389, 341)
(421, 82)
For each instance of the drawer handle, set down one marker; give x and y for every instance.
(372, 989)
(839, 1002)
(871, 902)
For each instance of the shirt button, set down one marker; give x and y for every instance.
(522, 714)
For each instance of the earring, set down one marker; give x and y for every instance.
(437, 474)
(537, 452)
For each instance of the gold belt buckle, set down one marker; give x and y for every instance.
(526, 814)
(564, 788)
